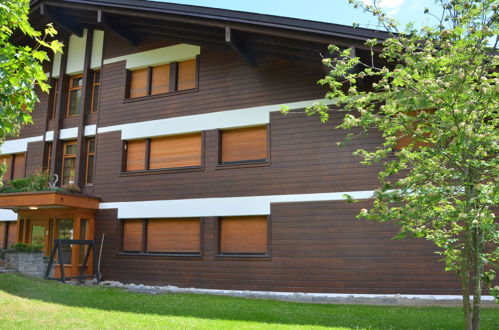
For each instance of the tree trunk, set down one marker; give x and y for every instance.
(465, 284)
(477, 278)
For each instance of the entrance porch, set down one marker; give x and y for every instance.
(45, 216)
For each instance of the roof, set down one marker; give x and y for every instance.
(229, 16)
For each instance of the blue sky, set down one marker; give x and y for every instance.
(332, 11)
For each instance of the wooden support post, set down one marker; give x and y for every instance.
(85, 104)
(122, 31)
(75, 251)
(239, 46)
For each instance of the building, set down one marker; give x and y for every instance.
(167, 118)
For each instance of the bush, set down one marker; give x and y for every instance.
(33, 182)
(23, 247)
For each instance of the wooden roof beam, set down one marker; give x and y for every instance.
(239, 46)
(111, 24)
(56, 16)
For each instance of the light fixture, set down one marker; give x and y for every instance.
(33, 208)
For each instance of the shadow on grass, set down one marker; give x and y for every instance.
(240, 309)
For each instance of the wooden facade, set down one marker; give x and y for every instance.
(202, 182)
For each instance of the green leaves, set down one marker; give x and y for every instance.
(21, 68)
(435, 104)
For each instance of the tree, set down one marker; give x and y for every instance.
(438, 89)
(21, 66)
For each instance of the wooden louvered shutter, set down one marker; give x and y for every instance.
(243, 235)
(173, 235)
(176, 151)
(244, 144)
(187, 74)
(135, 155)
(12, 233)
(3, 227)
(132, 235)
(138, 83)
(18, 166)
(160, 79)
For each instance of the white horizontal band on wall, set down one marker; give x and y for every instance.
(90, 130)
(195, 123)
(18, 145)
(222, 206)
(157, 56)
(7, 215)
(68, 133)
(49, 136)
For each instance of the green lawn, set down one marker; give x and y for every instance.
(27, 303)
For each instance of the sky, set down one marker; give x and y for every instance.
(331, 11)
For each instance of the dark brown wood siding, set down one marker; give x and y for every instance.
(226, 82)
(315, 247)
(34, 157)
(304, 159)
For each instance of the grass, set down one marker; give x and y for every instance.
(27, 303)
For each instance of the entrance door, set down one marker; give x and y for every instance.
(39, 234)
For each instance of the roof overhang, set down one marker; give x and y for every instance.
(251, 35)
(47, 200)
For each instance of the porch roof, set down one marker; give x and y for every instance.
(47, 199)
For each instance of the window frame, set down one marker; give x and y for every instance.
(173, 90)
(145, 253)
(147, 158)
(65, 156)
(47, 157)
(70, 89)
(242, 163)
(11, 165)
(94, 85)
(55, 95)
(87, 168)
(250, 255)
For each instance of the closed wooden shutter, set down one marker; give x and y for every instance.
(160, 79)
(244, 144)
(173, 235)
(3, 227)
(132, 235)
(176, 151)
(8, 161)
(18, 166)
(12, 233)
(187, 74)
(138, 83)
(135, 155)
(243, 235)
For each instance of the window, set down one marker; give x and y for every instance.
(243, 235)
(95, 92)
(69, 163)
(162, 236)
(243, 145)
(8, 234)
(7, 160)
(55, 94)
(136, 155)
(169, 152)
(74, 95)
(48, 157)
(19, 166)
(162, 79)
(89, 173)
(15, 166)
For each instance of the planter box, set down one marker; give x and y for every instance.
(29, 263)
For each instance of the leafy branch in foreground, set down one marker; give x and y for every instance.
(21, 66)
(437, 89)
